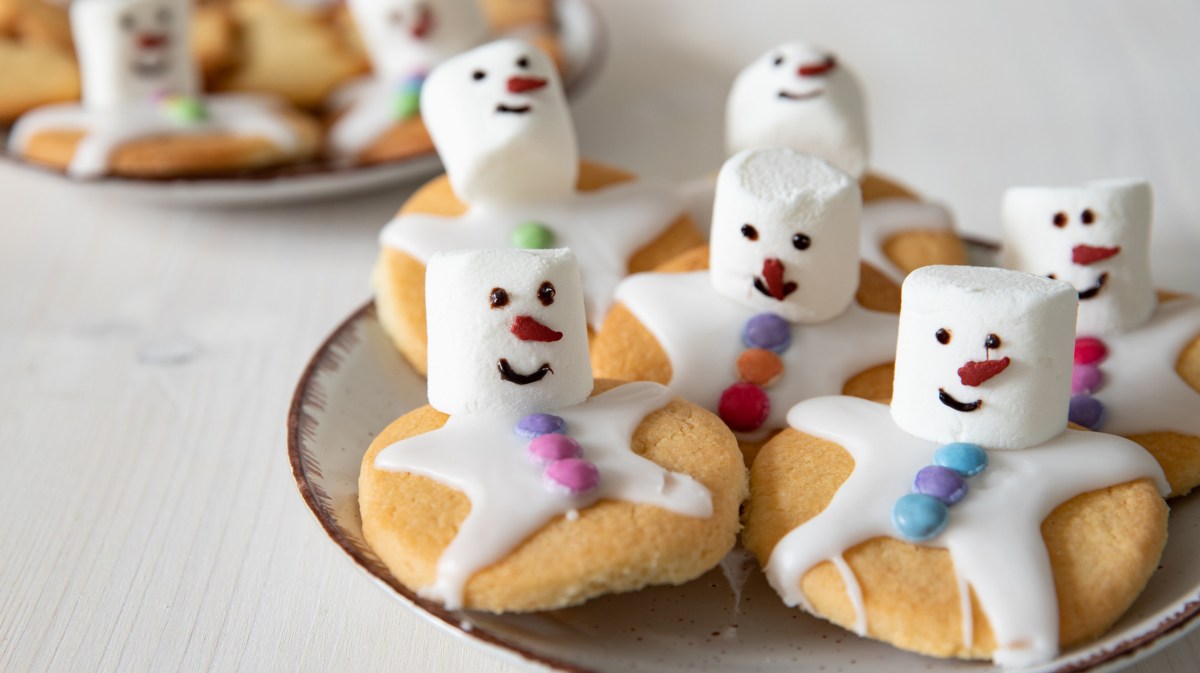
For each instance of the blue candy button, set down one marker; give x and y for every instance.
(919, 517)
(965, 459)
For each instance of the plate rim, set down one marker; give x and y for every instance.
(1166, 631)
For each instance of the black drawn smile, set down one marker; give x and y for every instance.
(801, 96)
(520, 110)
(948, 400)
(1095, 289)
(507, 373)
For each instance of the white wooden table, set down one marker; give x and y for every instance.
(147, 355)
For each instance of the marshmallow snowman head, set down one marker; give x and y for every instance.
(799, 96)
(500, 121)
(507, 332)
(408, 37)
(984, 356)
(132, 51)
(1095, 237)
(785, 234)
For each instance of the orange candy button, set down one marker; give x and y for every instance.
(759, 366)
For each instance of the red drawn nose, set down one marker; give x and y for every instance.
(816, 69)
(1086, 254)
(975, 373)
(772, 273)
(527, 329)
(521, 84)
(424, 23)
(152, 40)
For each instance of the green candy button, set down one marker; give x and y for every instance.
(407, 103)
(187, 109)
(533, 235)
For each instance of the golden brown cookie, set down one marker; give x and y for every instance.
(611, 547)
(36, 57)
(399, 279)
(1103, 547)
(184, 154)
(917, 248)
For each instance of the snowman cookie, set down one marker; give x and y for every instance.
(1137, 356)
(965, 519)
(801, 96)
(142, 114)
(514, 180)
(377, 118)
(778, 313)
(515, 488)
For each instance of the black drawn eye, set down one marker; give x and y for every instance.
(943, 336)
(1060, 219)
(801, 241)
(163, 15)
(546, 293)
(1087, 216)
(396, 16)
(523, 62)
(750, 232)
(778, 61)
(499, 297)
(478, 75)
(991, 341)
(127, 21)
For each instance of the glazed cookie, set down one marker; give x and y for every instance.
(141, 113)
(35, 57)
(295, 52)
(965, 520)
(516, 488)
(513, 179)
(378, 117)
(1137, 357)
(778, 313)
(800, 96)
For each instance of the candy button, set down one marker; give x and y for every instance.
(962, 457)
(1090, 351)
(553, 446)
(940, 482)
(407, 102)
(767, 331)
(1086, 379)
(186, 109)
(576, 475)
(532, 236)
(1087, 411)
(919, 517)
(758, 366)
(536, 425)
(744, 407)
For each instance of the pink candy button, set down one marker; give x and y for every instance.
(553, 447)
(1086, 379)
(576, 475)
(1090, 351)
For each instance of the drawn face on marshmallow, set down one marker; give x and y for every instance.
(407, 37)
(984, 356)
(499, 119)
(132, 51)
(507, 331)
(799, 96)
(1096, 237)
(785, 234)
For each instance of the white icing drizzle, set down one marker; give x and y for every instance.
(1142, 391)
(701, 332)
(367, 113)
(604, 228)
(994, 534)
(481, 456)
(106, 130)
(883, 219)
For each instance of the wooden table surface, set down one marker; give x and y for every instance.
(147, 354)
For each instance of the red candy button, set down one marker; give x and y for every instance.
(1090, 351)
(744, 407)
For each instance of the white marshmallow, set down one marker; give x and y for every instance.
(785, 232)
(799, 96)
(500, 121)
(409, 37)
(131, 51)
(1095, 236)
(473, 332)
(1020, 405)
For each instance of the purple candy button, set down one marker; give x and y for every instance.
(767, 331)
(1087, 411)
(940, 482)
(576, 475)
(536, 425)
(1086, 379)
(552, 447)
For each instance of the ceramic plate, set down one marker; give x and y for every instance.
(581, 34)
(727, 620)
